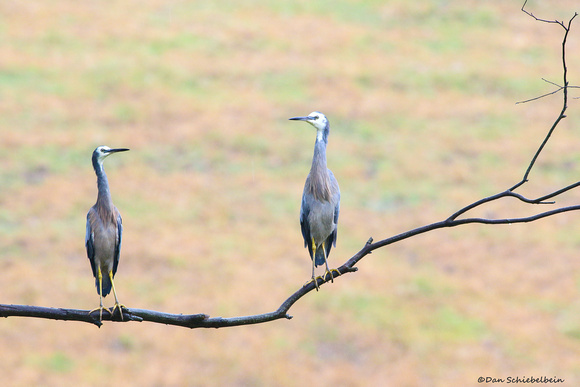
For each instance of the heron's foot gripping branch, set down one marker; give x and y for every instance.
(315, 280)
(100, 309)
(120, 307)
(329, 272)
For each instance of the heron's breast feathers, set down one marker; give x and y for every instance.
(319, 186)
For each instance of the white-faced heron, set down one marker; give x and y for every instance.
(320, 200)
(104, 232)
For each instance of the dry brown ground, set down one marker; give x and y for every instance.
(420, 96)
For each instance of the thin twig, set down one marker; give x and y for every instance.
(538, 19)
(541, 96)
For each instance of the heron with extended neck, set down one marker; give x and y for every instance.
(104, 233)
(320, 201)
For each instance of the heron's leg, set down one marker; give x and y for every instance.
(117, 305)
(100, 308)
(314, 278)
(329, 271)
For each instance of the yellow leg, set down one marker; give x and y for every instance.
(117, 305)
(329, 271)
(314, 278)
(100, 308)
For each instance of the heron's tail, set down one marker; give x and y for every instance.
(106, 285)
(319, 256)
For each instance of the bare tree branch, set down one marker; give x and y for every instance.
(139, 315)
(205, 321)
(562, 114)
(545, 20)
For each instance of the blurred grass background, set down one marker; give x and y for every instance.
(421, 99)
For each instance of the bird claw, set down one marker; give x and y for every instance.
(120, 307)
(100, 309)
(111, 312)
(323, 278)
(315, 280)
(331, 276)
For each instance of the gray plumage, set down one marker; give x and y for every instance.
(320, 199)
(104, 231)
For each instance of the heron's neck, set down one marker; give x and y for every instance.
(322, 135)
(104, 200)
(319, 178)
(319, 158)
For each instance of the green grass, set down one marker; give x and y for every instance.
(57, 362)
(568, 320)
(18, 82)
(448, 325)
(363, 12)
(434, 324)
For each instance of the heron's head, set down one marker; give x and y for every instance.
(316, 119)
(101, 152)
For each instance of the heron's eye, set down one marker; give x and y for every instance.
(316, 117)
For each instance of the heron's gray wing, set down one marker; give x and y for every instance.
(304, 225)
(119, 238)
(89, 240)
(336, 201)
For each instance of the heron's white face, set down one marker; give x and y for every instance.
(103, 151)
(318, 120)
